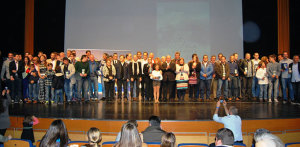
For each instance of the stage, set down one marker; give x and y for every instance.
(177, 111)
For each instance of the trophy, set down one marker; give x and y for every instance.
(83, 71)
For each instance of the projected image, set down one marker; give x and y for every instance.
(184, 27)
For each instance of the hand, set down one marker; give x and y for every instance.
(140, 79)
(218, 103)
(9, 137)
(14, 71)
(263, 78)
(228, 79)
(84, 75)
(110, 77)
(116, 80)
(31, 81)
(131, 79)
(224, 103)
(214, 75)
(127, 80)
(236, 75)
(81, 74)
(245, 73)
(223, 78)
(277, 77)
(273, 76)
(204, 75)
(11, 78)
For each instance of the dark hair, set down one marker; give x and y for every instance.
(226, 136)
(168, 140)
(94, 137)
(57, 130)
(134, 122)
(28, 119)
(83, 56)
(154, 120)
(88, 51)
(28, 61)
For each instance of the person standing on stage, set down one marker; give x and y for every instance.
(82, 69)
(122, 77)
(69, 75)
(214, 81)
(286, 78)
(42, 68)
(262, 76)
(49, 74)
(222, 71)
(294, 69)
(206, 75)
(231, 121)
(102, 64)
(135, 72)
(16, 68)
(156, 77)
(237, 61)
(255, 85)
(194, 78)
(148, 68)
(144, 77)
(93, 82)
(233, 83)
(273, 70)
(182, 77)
(247, 69)
(5, 74)
(109, 73)
(168, 69)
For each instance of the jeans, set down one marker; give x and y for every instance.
(273, 84)
(193, 90)
(296, 87)
(205, 84)
(263, 91)
(103, 86)
(33, 91)
(16, 89)
(135, 81)
(68, 87)
(83, 82)
(246, 87)
(93, 87)
(58, 95)
(122, 84)
(255, 87)
(233, 87)
(286, 82)
(25, 88)
(181, 94)
(49, 91)
(109, 91)
(224, 84)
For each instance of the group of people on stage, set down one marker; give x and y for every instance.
(34, 79)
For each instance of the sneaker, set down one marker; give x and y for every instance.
(270, 101)
(12, 101)
(293, 103)
(20, 101)
(276, 101)
(260, 100)
(284, 101)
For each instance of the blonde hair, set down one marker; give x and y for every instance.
(94, 137)
(168, 140)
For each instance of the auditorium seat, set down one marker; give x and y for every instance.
(19, 143)
(108, 144)
(292, 144)
(153, 144)
(77, 143)
(238, 145)
(191, 144)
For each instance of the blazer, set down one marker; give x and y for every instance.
(12, 66)
(146, 69)
(219, 71)
(197, 69)
(242, 64)
(184, 72)
(131, 72)
(291, 66)
(168, 74)
(208, 70)
(119, 67)
(71, 75)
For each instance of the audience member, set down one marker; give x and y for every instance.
(154, 132)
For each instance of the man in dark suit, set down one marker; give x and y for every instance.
(115, 62)
(148, 68)
(168, 69)
(16, 69)
(135, 73)
(122, 77)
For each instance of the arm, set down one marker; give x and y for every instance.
(177, 69)
(35, 120)
(186, 69)
(269, 71)
(216, 117)
(5, 139)
(3, 70)
(72, 70)
(225, 107)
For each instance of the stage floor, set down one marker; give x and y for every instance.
(143, 110)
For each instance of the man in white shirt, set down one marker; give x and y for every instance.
(255, 86)
(232, 121)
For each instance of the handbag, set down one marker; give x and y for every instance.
(193, 79)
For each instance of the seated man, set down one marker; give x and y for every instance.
(224, 138)
(154, 132)
(232, 121)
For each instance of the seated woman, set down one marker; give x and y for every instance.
(56, 136)
(130, 137)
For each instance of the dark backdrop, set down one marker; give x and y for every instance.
(50, 22)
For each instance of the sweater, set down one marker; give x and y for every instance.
(79, 66)
(260, 74)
